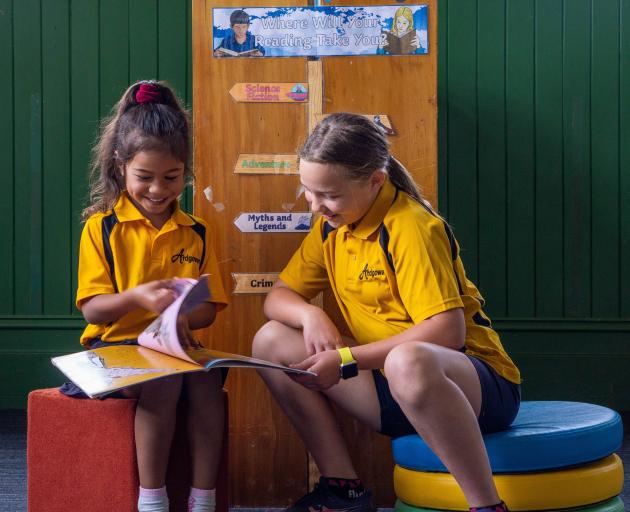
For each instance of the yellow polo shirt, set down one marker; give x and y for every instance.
(121, 249)
(399, 266)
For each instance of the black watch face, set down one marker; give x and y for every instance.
(349, 370)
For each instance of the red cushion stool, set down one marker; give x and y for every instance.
(81, 456)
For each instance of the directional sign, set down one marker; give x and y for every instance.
(270, 92)
(266, 164)
(276, 222)
(381, 120)
(254, 283)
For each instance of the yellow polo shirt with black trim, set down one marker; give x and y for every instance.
(399, 266)
(121, 249)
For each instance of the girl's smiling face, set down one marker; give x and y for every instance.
(153, 180)
(339, 200)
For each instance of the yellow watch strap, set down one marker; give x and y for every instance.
(346, 355)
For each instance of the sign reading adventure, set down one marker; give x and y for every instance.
(254, 283)
(266, 164)
(317, 31)
(263, 222)
(270, 92)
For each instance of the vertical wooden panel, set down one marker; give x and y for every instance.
(143, 39)
(84, 85)
(491, 156)
(520, 158)
(114, 52)
(270, 458)
(57, 294)
(28, 157)
(462, 130)
(442, 92)
(624, 158)
(413, 112)
(605, 159)
(577, 190)
(6, 157)
(548, 153)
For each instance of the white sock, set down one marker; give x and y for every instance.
(153, 500)
(201, 500)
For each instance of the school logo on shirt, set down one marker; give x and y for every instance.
(368, 273)
(184, 258)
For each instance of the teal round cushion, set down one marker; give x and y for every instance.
(544, 435)
(613, 505)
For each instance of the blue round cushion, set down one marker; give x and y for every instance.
(544, 435)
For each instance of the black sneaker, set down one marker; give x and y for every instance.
(322, 499)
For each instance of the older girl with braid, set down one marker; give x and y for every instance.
(423, 357)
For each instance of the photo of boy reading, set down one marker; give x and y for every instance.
(240, 43)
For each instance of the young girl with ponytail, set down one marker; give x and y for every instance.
(134, 232)
(423, 357)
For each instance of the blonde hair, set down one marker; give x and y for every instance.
(136, 124)
(404, 12)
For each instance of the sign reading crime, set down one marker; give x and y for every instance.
(254, 283)
(266, 164)
(269, 92)
(276, 222)
(317, 31)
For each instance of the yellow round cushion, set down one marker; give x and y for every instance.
(565, 488)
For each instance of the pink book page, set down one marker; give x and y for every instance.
(162, 334)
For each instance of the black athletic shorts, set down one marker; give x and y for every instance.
(500, 401)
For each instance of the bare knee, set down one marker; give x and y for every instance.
(161, 395)
(413, 372)
(267, 340)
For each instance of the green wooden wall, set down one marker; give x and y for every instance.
(534, 134)
(63, 63)
(534, 171)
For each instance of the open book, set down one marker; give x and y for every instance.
(166, 347)
(232, 53)
(400, 45)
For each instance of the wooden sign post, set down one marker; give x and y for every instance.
(234, 123)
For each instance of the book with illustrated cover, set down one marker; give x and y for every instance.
(232, 53)
(400, 45)
(166, 347)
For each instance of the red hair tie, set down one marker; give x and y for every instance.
(148, 93)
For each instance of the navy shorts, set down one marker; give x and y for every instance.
(72, 390)
(500, 401)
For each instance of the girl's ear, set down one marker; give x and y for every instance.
(378, 178)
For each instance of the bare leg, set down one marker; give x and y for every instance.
(154, 426)
(309, 411)
(438, 389)
(206, 417)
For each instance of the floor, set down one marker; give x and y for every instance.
(13, 462)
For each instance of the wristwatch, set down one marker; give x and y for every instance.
(349, 367)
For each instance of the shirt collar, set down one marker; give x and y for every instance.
(375, 215)
(126, 211)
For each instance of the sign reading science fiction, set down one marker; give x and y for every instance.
(320, 31)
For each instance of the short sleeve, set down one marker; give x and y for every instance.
(306, 271)
(211, 267)
(425, 273)
(94, 276)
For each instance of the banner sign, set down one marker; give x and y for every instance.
(317, 31)
(254, 283)
(266, 164)
(270, 92)
(265, 222)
